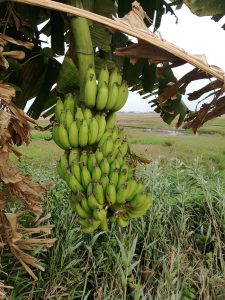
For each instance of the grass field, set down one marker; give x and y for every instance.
(176, 251)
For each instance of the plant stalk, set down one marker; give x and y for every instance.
(83, 44)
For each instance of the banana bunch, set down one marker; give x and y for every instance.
(94, 165)
(103, 190)
(76, 127)
(109, 94)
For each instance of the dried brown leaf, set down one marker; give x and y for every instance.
(3, 62)
(9, 173)
(15, 54)
(11, 40)
(7, 92)
(148, 51)
(181, 84)
(18, 239)
(207, 88)
(207, 112)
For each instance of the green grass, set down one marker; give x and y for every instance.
(176, 251)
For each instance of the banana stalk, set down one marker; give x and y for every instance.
(83, 44)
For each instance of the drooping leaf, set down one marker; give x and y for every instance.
(68, 79)
(131, 73)
(30, 79)
(50, 78)
(216, 84)
(57, 33)
(148, 77)
(101, 37)
(206, 7)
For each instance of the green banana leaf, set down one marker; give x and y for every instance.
(206, 7)
(50, 78)
(68, 78)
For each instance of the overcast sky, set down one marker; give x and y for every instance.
(196, 35)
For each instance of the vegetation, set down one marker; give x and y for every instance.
(176, 251)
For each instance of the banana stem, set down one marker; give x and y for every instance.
(83, 44)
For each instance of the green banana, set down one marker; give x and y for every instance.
(85, 176)
(107, 134)
(114, 166)
(87, 114)
(89, 224)
(74, 199)
(113, 77)
(119, 158)
(76, 171)
(124, 168)
(62, 117)
(116, 146)
(85, 206)
(107, 147)
(122, 177)
(69, 103)
(74, 135)
(104, 166)
(111, 194)
(104, 225)
(90, 72)
(85, 222)
(110, 120)
(90, 90)
(55, 135)
(122, 221)
(102, 96)
(132, 185)
(83, 134)
(89, 229)
(122, 193)
(92, 202)
(124, 148)
(134, 213)
(84, 158)
(140, 202)
(98, 193)
(112, 97)
(74, 185)
(79, 116)
(139, 188)
(104, 181)
(110, 157)
(101, 126)
(63, 137)
(91, 162)
(99, 214)
(96, 173)
(98, 155)
(60, 171)
(122, 97)
(103, 76)
(114, 177)
(58, 109)
(74, 156)
(80, 211)
(92, 131)
(115, 133)
(64, 161)
(119, 78)
(90, 187)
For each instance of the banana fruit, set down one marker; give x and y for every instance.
(94, 164)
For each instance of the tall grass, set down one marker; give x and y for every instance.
(176, 251)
